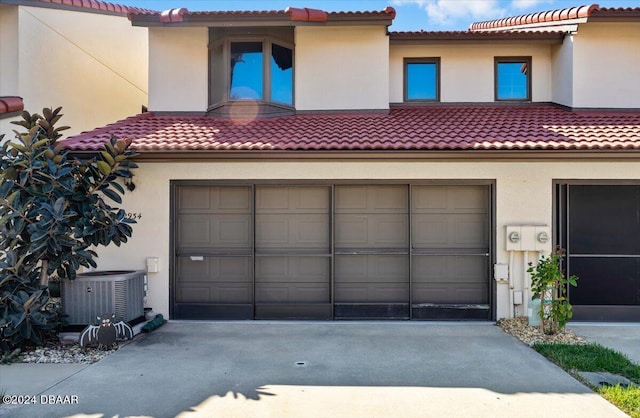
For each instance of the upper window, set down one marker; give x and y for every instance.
(422, 79)
(513, 78)
(250, 67)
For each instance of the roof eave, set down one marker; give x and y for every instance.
(440, 155)
(109, 8)
(477, 38)
(257, 20)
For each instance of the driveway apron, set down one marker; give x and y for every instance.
(321, 369)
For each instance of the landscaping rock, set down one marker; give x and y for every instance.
(519, 327)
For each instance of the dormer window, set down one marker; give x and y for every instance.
(248, 68)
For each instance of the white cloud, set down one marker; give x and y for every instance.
(446, 12)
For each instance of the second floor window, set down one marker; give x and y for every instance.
(513, 78)
(256, 68)
(422, 79)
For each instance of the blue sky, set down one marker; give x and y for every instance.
(411, 14)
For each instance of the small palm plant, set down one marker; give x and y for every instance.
(549, 284)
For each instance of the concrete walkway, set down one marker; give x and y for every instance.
(320, 369)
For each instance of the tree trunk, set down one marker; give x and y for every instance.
(44, 277)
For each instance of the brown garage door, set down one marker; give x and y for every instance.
(450, 251)
(331, 251)
(214, 252)
(293, 263)
(372, 251)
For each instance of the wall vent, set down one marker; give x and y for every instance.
(98, 292)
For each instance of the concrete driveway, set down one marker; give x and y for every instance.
(322, 369)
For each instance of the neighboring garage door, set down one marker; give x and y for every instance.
(331, 251)
(600, 229)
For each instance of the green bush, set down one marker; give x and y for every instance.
(53, 209)
(549, 284)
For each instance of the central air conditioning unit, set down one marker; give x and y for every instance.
(98, 292)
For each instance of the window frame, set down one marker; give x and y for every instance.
(267, 40)
(423, 60)
(512, 59)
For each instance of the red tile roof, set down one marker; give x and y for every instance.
(9, 104)
(624, 12)
(539, 17)
(592, 11)
(445, 127)
(291, 14)
(87, 5)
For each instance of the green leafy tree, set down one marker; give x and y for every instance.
(53, 210)
(550, 285)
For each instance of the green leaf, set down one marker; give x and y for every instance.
(18, 147)
(104, 167)
(112, 195)
(107, 157)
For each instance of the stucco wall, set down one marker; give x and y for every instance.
(605, 66)
(523, 195)
(341, 68)
(8, 61)
(562, 72)
(93, 65)
(467, 71)
(8, 50)
(178, 69)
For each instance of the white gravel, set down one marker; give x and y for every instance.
(520, 328)
(70, 353)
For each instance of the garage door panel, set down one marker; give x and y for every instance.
(371, 199)
(454, 269)
(280, 292)
(214, 293)
(450, 199)
(292, 269)
(371, 268)
(372, 293)
(214, 280)
(452, 231)
(470, 231)
(221, 231)
(371, 278)
(429, 199)
(371, 231)
(214, 199)
(292, 199)
(292, 231)
(293, 279)
(454, 293)
(215, 268)
(468, 199)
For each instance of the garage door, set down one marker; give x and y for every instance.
(292, 264)
(331, 251)
(600, 226)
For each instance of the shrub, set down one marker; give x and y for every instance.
(549, 284)
(53, 209)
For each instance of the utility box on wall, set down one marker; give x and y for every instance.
(98, 292)
(527, 237)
